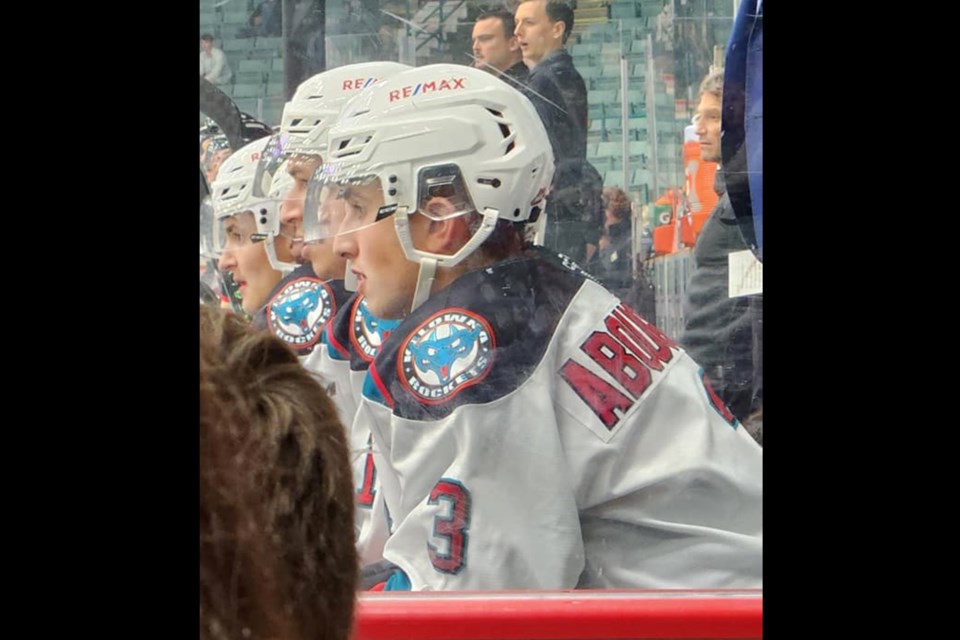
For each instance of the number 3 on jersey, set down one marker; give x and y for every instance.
(451, 526)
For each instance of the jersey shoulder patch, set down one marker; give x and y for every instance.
(299, 311)
(447, 353)
(477, 340)
(367, 333)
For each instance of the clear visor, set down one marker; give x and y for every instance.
(207, 245)
(281, 185)
(337, 203)
(209, 146)
(238, 231)
(272, 158)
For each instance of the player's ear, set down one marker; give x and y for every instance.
(447, 236)
(439, 233)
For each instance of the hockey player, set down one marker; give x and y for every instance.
(291, 157)
(305, 300)
(530, 430)
(349, 345)
(251, 246)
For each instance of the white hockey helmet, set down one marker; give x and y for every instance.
(439, 131)
(317, 101)
(313, 109)
(235, 191)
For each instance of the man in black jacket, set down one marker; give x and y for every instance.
(574, 210)
(719, 330)
(495, 47)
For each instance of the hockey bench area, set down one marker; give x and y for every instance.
(586, 615)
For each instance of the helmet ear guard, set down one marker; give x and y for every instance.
(441, 192)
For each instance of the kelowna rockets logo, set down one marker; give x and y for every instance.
(369, 332)
(445, 354)
(298, 313)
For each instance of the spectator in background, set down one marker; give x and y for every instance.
(386, 42)
(266, 20)
(718, 331)
(495, 46)
(574, 211)
(308, 55)
(543, 27)
(277, 558)
(614, 266)
(213, 62)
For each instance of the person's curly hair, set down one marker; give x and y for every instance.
(615, 199)
(277, 552)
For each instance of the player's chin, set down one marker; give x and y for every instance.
(248, 307)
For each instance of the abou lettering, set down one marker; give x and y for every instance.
(628, 351)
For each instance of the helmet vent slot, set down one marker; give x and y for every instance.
(504, 129)
(352, 146)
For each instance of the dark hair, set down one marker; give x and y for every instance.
(506, 240)
(277, 551)
(506, 19)
(557, 10)
(207, 37)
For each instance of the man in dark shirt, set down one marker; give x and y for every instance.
(495, 47)
(574, 210)
(718, 330)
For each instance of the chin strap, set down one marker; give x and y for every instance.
(428, 272)
(283, 267)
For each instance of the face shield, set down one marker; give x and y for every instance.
(270, 165)
(338, 203)
(280, 185)
(236, 232)
(207, 222)
(342, 202)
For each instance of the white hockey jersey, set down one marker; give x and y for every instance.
(534, 432)
(349, 344)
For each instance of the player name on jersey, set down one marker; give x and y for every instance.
(629, 350)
